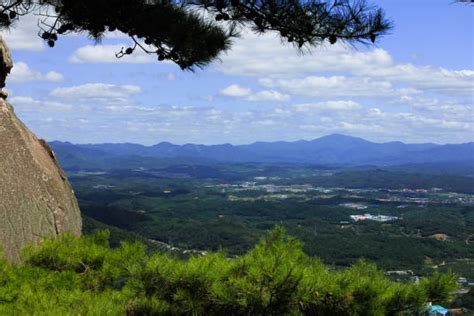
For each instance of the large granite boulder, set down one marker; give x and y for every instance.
(36, 199)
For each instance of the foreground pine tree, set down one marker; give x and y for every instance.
(83, 276)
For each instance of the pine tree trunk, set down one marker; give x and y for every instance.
(36, 199)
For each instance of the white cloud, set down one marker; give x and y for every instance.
(97, 54)
(268, 95)
(24, 103)
(96, 91)
(326, 106)
(264, 56)
(153, 123)
(21, 72)
(440, 80)
(53, 76)
(235, 91)
(338, 86)
(418, 102)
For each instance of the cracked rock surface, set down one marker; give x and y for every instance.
(36, 200)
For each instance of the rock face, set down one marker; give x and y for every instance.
(36, 200)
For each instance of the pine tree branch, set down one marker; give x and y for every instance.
(176, 31)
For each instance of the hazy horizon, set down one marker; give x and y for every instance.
(258, 141)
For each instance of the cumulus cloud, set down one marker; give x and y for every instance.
(152, 123)
(21, 72)
(440, 80)
(96, 91)
(264, 57)
(29, 104)
(237, 91)
(326, 106)
(268, 95)
(339, 86)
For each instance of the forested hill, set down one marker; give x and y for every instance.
(328, 150)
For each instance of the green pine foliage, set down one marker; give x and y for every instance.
(193, 33)
(84, 276)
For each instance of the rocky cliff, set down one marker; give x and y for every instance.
(36, 200)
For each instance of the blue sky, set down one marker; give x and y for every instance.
(416, 85)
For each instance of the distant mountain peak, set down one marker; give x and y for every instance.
(337, 135)
(340, 138)
(164, 144)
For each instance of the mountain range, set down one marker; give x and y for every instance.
(335, 149)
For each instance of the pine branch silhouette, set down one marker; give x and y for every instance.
(182, 33)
